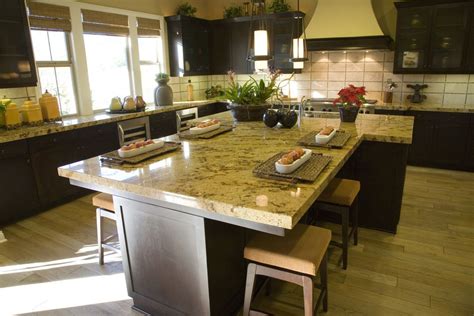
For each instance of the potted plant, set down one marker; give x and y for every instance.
(233, 11)
(248, 102)
(186, 9)
(279, 6)
(349, 101)
(163, 93)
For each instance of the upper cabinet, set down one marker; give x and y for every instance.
(200, 47)
(188, 42)
(17, 65)
(434, 37)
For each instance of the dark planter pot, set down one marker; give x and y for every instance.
(348, 114)
(248, 113)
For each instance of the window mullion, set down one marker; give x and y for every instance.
(135, 72)
(79, 55)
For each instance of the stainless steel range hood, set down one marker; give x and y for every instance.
(345, 25)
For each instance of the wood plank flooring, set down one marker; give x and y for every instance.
(49, 266)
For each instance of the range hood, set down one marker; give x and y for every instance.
(345, 25)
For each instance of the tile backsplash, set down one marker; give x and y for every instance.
(326, 73)
(18, 95)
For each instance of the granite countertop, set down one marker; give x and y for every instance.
(71, 123)
(426, 106)
(216, 175)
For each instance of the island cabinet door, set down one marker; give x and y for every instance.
(381, 172)
(47, 154)
(469, 159)
(17, 183)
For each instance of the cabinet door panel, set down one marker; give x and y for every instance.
(163, 124)
(421, 147)
(240, 42)
(97, 140)
(450, 140)
(47, 154)
(220, 48)
(17, 183)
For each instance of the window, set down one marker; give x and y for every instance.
(107, 64)
(54, 64)
(150, 49)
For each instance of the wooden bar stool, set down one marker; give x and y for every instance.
(340, 197)
(105, 208)
(294, 258)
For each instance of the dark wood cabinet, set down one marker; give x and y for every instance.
(17, 183)
(17, 65)
(380, 168)
(163, 124)
(188, 42)
(469, 159)
(48, 153)
(433, 37)
(470, 50)
(283, 29)
(221, 47)
(389, 112)
(211, 109)
(442, 140)
(97, 140)
(239, 33)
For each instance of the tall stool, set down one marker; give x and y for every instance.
(340, 197)
(105, 209)
(295, 258)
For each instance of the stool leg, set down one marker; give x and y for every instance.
(355, 220)
(99, 236)
(251, 270)
(345, 237)
(308, 295)
(323, 270)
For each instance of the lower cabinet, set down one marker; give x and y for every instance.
(211, 109)
(163, 124)
(442, 140)
(17, 183)
(47, 154)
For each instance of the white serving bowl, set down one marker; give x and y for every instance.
(157, 143)
(324, 139)
(295, 165)
(198, 130)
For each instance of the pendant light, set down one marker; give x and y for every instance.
(300, 51)
(258, 48)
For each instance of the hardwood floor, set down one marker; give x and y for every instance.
(49, 266)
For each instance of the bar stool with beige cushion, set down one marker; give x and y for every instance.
(294, 258)
(105, 208)
(340, 197)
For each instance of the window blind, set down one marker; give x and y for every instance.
(95, 22)
(50, 17)
(148, 27)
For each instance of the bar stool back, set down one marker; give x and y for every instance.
(294, 258)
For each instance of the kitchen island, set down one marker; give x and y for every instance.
(183, 218)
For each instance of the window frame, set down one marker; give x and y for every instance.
(77, 53)
(57, 64)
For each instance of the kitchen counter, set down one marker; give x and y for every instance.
(183, 219)
(215, 176)
(71, 123)
(423, 107)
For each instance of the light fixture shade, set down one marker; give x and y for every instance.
(298, 53)
(261, 43)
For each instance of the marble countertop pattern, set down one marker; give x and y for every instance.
(71, 123)
(423, 107)
(215, 175)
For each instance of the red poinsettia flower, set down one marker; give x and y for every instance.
(350, 96)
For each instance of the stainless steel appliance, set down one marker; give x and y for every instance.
(183, 116)
(317, 106)
(130, 131)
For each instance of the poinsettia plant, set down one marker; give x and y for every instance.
(351, 96)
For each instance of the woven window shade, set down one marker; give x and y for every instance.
(148, 27)
(44, 16)
(95, 22)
